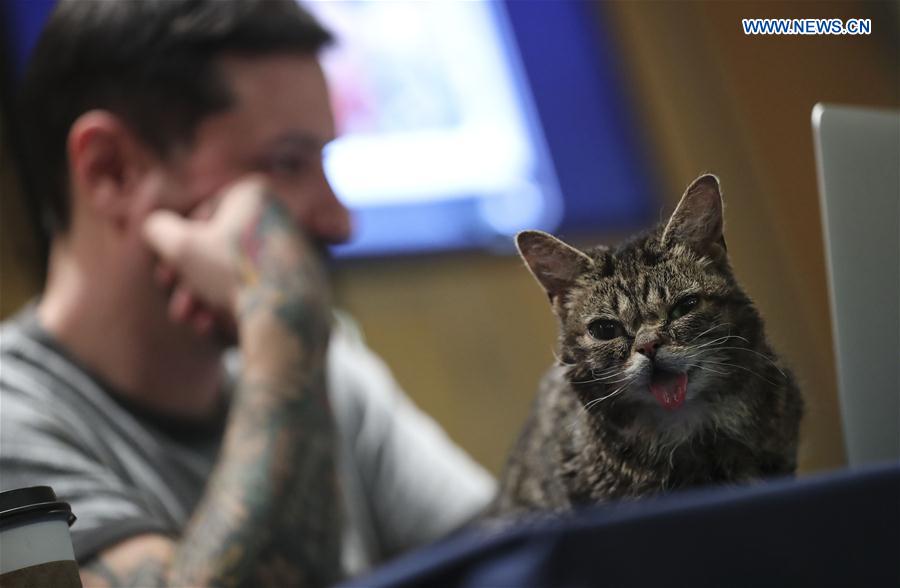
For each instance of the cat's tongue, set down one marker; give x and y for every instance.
(669, 389)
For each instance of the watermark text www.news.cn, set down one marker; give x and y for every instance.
(806, 26)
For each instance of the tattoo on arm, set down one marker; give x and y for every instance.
(149, 572)
(270, 515)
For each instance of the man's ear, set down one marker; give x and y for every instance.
(553, 263)
(105, 160)
(698, 219)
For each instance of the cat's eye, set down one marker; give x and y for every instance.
(684, 306)
(604, 329)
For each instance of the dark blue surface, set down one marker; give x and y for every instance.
(840, 529)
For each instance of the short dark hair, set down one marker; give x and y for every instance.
(151, 62)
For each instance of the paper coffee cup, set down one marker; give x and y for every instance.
(35, 545)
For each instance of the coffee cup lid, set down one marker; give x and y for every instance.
(31, 501)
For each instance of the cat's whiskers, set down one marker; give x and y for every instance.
(707, 368)
(606, 376)
(605, 379)
(740, 367)
(596, 401)
(762, 355)
(699, 351)
(714, 345)
(586, 408)
(719, 341)
(609, 370)
(708, 330)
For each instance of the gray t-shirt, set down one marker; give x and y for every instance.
(126, 471)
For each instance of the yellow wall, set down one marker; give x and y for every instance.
(469, 335)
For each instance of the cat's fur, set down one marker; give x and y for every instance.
(596, 432)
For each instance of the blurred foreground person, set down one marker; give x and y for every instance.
(176, 149)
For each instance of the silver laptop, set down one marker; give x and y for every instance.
(858, 158)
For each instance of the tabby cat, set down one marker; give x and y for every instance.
(664, 379)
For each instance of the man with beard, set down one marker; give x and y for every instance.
(176, 149)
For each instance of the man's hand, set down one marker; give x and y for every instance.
(217, 259)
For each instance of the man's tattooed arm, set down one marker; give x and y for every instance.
(139, 562)
(271, 510)
(270, 513)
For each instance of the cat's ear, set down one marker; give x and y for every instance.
(698, 218)
(553, 263)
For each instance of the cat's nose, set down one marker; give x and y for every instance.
(648, 347)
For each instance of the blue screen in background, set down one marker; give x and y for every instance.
(465, 122)
(462, 123)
